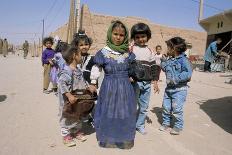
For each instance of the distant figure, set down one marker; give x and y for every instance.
(188, 50)
(5, 47)
(210, 54)
(158, 57)
(158, 54)
(1, 44)
(25, 49)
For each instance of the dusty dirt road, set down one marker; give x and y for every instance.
(29, 121)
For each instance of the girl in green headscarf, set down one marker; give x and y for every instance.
(117, 37)
(115, 112)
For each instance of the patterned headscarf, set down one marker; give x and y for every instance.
(123, 48)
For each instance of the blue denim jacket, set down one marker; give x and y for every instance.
(178, 71)
(211, 52)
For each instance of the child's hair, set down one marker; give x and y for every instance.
(140, 28)
(81, 35)
(118, 23)
(177, 44)
(61, 46)
(218, 39)
(68, 54)
(48, 39)
(158, 46)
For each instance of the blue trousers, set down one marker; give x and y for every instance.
(173, 103)
(142, 92)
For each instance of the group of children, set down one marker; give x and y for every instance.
(124, 94)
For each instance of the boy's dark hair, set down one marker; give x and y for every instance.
(177, 44)
(140, 28)
(68, 54)
(81, 35)
(218, 38)
(158, 46)
(61, 46)
(48, 39)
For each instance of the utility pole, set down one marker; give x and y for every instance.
(78, 10)
(72, 21)
(42, 35)
(200, 11)
(38, 48)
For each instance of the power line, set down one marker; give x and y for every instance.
(20, 33)
(58, 13)
(50, 9)
(208, 5)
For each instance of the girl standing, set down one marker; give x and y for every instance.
(115, 113)
(141, 34)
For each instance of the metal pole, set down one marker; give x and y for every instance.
(78, 6)
(42, 35)
(200, 10)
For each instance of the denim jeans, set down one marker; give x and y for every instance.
(173, 103)
(142, 92)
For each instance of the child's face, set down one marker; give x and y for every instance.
(77, 57)
(48, 44)
(170, 51)
(140, 39)
(83, 47)
(158, 50)
(118, 36)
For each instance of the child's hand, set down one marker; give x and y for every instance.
(92, 88)
(164, 58)
(50, 61)
(71, 98)
(156, 87)
(131, 79)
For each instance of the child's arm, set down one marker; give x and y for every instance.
(63, 82)
(156, 87)
(72, 99)
(45, 60)
(186, 73)
(95, 74)
(214, 48)
(44, 57)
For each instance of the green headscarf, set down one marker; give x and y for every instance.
(123, 48)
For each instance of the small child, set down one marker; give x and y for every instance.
(178, 73)
(90, 71)
(58, 58)
(140, 34)
(47, 63)
(158, 57)
(70, 80)
(58, 62)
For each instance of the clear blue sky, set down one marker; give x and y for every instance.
(21, 19)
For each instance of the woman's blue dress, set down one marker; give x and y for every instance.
(115, 113)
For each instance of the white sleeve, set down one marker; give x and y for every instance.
(95, 74)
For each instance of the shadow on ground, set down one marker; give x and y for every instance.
(158, 112)
(219, 110)
(2, 98)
